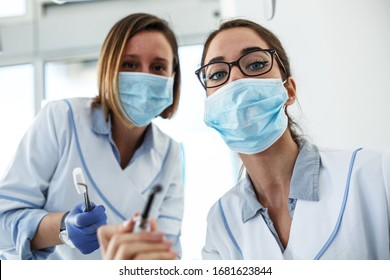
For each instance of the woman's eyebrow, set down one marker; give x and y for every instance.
(161, 59)
(157, 58)
(131, 56)
(243, 51)
(250, 49)
(216, 59)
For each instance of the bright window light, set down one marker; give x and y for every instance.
(16, 109)
(12, 8)
(70, 79)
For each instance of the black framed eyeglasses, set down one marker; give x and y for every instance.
(251, 64)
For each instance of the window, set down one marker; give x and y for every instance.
(65, 79)
(11, 8)
(16, 108)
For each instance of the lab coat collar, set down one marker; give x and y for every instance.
(304, 181)
(250, 205)
(99, 123)
(101, 126)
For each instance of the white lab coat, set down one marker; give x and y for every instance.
(39, 180)
(363, 232)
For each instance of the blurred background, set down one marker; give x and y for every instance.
(338, 49)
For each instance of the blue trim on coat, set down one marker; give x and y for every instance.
(183, 167)
(228, 229)
(337, 226)
(169, 217)
(21, 201)
(94, 185)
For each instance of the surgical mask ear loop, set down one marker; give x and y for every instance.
(289, 97)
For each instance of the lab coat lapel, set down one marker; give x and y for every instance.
(314, 221)
(123, 192)
(148, 161)
(252, 235)
(127, 189)
(111, 185)
(257, 241)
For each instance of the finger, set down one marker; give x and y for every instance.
(98, 214)
(128, 225)
(84, 207)
(79, 208)
(90, 229)
(128, 251)
(105, 233)
(119, 239)
(170, 255)
(153, 225)
(89, 246)
(136, 215)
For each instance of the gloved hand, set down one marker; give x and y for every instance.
(82, 226)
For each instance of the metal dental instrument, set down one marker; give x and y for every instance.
(142, 223)
(81, 187)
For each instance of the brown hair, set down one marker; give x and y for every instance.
(273, 42)
(110, 57)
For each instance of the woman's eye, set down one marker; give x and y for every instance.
(216, 76)
(158, 68)
(129, 65)
(257, 65)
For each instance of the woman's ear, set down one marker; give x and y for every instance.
(291, 91)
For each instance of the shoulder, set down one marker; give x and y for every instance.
(335, 151)
(66, 105)
(362, 153)
(235, 193)
(52, 113)
(159, 134)
(162, 142)
(232, 198)
(374, 159)
(330, 156)
(365, 160)
(78, 104)
(61, 115)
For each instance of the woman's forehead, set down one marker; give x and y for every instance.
(231, 42)
(152, 43)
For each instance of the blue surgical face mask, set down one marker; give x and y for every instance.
(144, 96)
(248, 113)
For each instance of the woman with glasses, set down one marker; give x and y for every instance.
(122, 154)
(295, 200)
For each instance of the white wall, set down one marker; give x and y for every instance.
(339, 53)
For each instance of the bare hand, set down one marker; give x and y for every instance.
(117, 242)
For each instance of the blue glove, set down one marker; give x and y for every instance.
(82, 226)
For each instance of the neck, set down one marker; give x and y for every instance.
(271, 170)
(127, 139)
